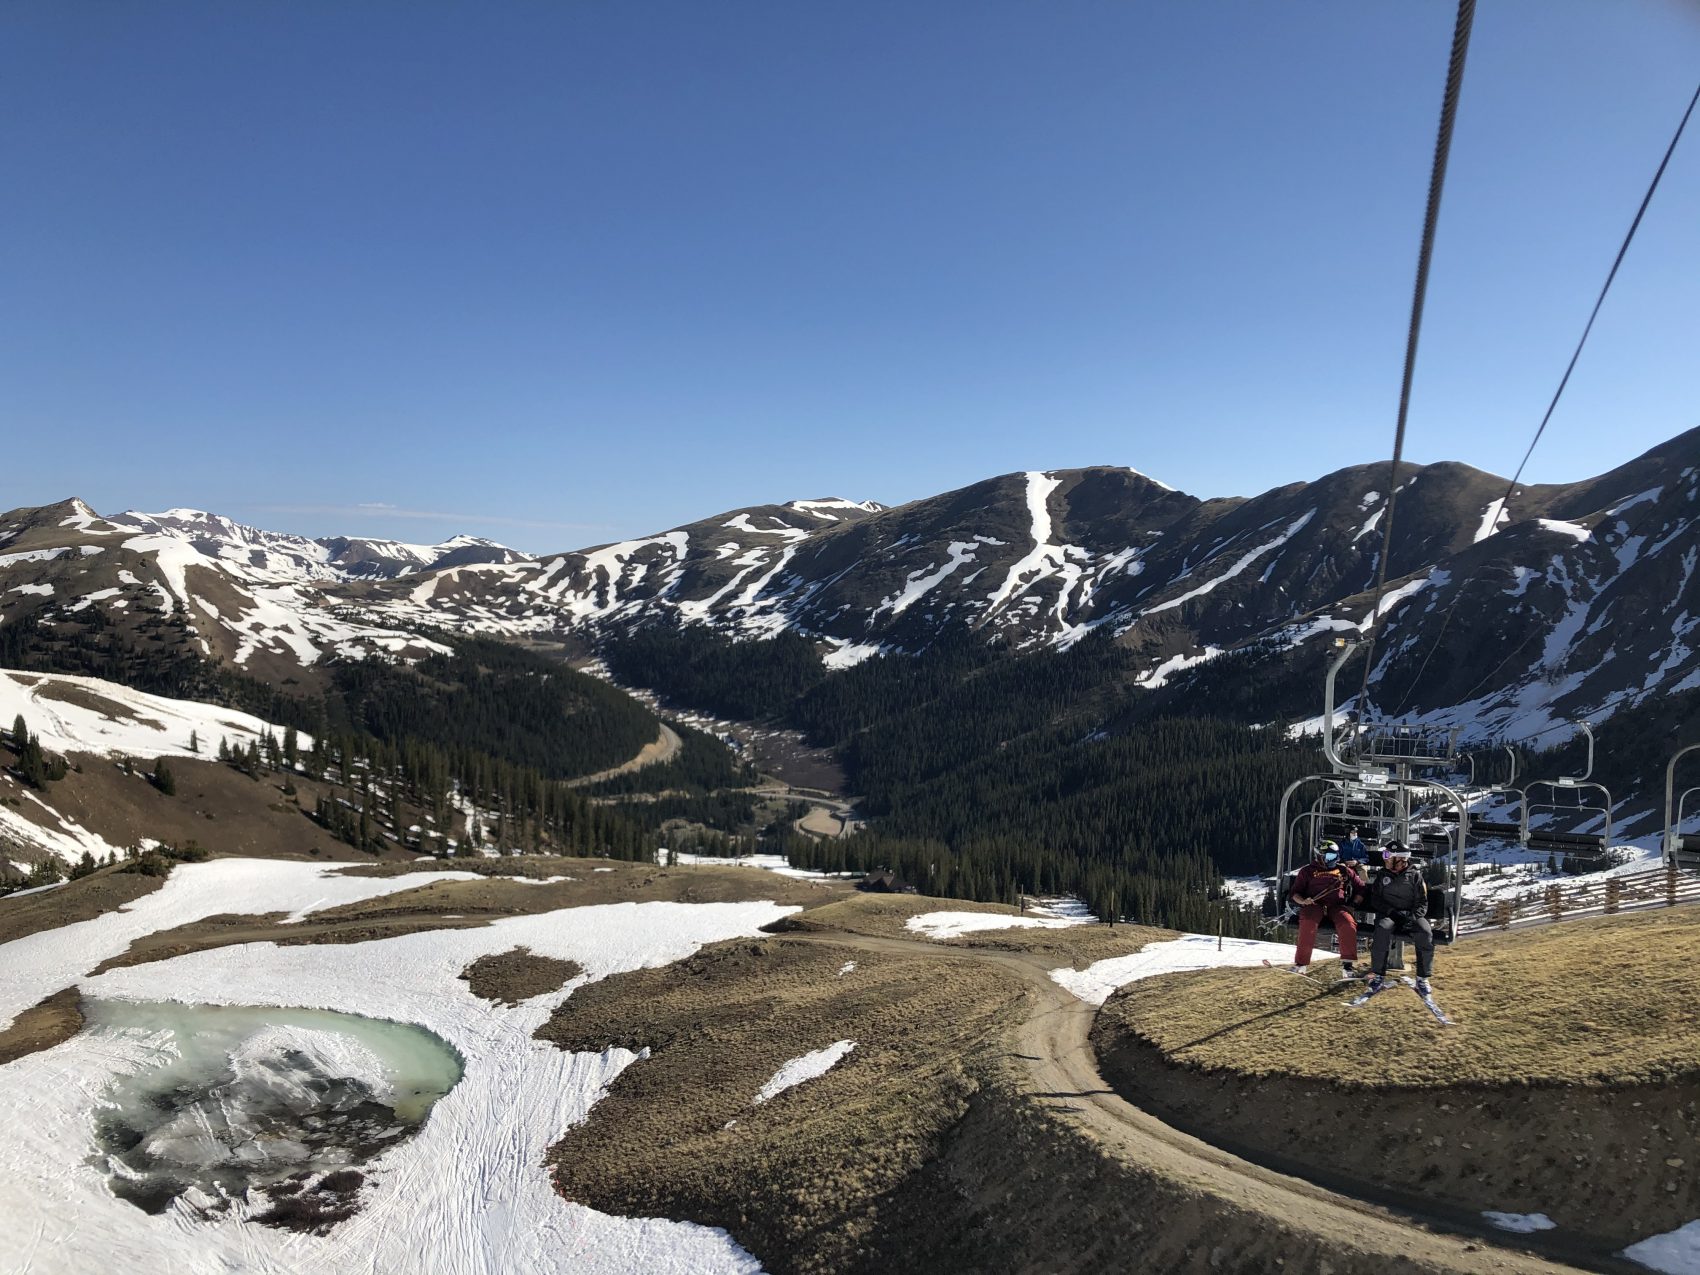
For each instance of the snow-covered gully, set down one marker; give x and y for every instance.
(1403, 1232)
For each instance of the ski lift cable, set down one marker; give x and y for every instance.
(1431, 216)
(1511, 487)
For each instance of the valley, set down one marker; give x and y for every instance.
(599, 824)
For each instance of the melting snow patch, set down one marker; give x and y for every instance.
(1522, 1223)
(1564, 529)
(846, 968)
(1493, 518)
(114, 720)
(949, 925)
(850, 654)
(1189, 952)
(496, 1211)
(1675, 1252)
(807, 1067)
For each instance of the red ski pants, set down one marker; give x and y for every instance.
(1345, 927)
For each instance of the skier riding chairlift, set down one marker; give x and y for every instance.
(1326, 886)
(1398, 899)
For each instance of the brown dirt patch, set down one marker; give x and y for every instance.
(42, 1026)
(796, 1178)
(507, 978)
(80, 900)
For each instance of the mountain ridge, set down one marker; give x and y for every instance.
(1029, 559)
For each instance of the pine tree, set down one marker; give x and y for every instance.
(291, 747)
(194, 742)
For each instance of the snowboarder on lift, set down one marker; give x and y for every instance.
(1398, 897)
(1326, 887)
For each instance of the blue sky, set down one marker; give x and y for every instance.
(564, 273)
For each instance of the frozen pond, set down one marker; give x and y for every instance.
(230, 1098)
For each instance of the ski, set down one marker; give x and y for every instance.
(1428, 999)
(1374, 991)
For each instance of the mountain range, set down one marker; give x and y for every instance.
(1572, 601)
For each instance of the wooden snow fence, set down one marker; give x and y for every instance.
(1664, 886)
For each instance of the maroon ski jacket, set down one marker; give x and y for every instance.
(1327, 891)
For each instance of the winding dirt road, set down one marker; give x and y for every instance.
(1053, 1043)
(665, 747)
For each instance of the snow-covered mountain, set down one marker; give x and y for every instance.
(259, 598)
(1576, 599)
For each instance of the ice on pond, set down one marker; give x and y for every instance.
(236, 1097)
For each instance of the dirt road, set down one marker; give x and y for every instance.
(1053, 1043)
(665, 747)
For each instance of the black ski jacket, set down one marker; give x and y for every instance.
(1398, 893)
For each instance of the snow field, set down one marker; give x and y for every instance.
(1674, 1253)
(1521, 1223)
(138, 724)
(1170, 956)
(38, 965)
(806, 1067)
(468, 1194)
(950, 925)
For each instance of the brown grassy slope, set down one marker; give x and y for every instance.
(1570, 1085)
(797, 1178)
(218, 807)
(886, 916)
(1609, 1001)
(517, 975)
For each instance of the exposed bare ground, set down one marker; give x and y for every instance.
(517, 975)
(663, 748)
(1017, 1156)
(1570, 1086)
(42, 1026)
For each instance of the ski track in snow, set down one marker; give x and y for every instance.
(469, 1194)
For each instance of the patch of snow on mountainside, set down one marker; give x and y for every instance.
(1155, 482)
(88, 715)
(1293, 528)
(1673, 1253)
(1160, 675)
(742, 523)
(30, 555)
(1044, 559)
(921, 582)
(819, 508)
(496, 1211)
(850, 654)
(1564, 528)
(1189, 952)
(950, 925)
(1494, 517)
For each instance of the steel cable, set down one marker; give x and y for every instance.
(1511, 487)
(1431, 217)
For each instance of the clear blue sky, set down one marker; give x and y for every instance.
(568, 272)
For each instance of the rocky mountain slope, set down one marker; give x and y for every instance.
(1578, 599)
